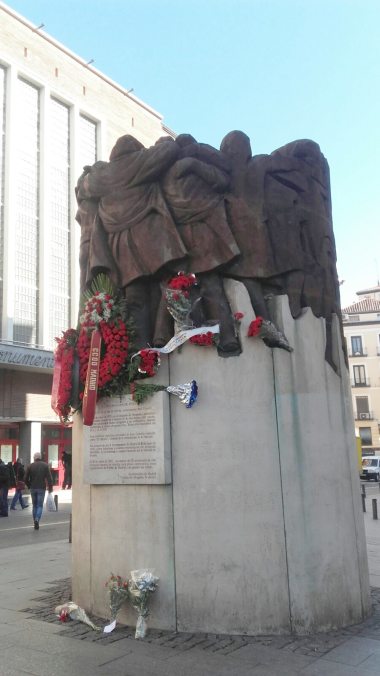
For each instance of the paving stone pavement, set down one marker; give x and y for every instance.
(34, 643)
(314, 645)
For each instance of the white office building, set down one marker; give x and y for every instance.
(57, 114)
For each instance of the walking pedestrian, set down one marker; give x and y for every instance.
(4, 487)
(38, 478)
(19, 471)
(66, 461)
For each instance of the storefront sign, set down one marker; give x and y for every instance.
(14, 355)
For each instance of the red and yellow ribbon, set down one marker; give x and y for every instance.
(91, 386)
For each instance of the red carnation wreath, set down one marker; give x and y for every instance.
(63, 369)
(114, 351)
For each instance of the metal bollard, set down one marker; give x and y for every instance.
(363, 489)
(363, 503)
(374, 508)
(70, 528)
(56, 502)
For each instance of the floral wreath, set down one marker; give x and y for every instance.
(64, 357)
(102, 312)
(114, 352)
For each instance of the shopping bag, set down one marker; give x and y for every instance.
(50, 504)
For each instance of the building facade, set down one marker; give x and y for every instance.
(57, 114)
(361, 322)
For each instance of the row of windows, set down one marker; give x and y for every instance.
(26, 209)
(59, 271)
(26, 213)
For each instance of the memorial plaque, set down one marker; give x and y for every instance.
(129, 443)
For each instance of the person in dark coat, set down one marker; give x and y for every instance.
(19, 472)
(37, 478)
(66, 461)
(4, 487)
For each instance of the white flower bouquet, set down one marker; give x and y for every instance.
(141, 585)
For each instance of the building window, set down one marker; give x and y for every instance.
(356, 345)
(2, 139)
(354, 318)
(26, 269)
(59, 220)
(362, 408)
(359, 375)
(88, 151)
(365, 436)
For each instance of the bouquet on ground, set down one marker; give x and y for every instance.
(70, 611)
(118, 594)
(141, 585)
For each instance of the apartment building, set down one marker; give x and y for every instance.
(57, 114)
(361, 322)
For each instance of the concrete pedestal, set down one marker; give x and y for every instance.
(261, 530)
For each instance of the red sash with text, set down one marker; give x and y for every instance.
(91, 386)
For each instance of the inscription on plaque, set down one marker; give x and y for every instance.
(128, 443)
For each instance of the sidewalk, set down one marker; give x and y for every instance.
(64, 497)
(32, 641)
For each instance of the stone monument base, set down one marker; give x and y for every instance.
(261, 529)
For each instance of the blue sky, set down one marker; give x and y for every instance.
(277, 69)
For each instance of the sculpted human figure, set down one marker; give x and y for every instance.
(94, 253)
(182, 205)
(134, 216)
(194, 188)
(280, 214)
(307, 174)
(245, 204)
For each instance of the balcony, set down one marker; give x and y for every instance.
(361, 353)
(364, 416)
(361, 383)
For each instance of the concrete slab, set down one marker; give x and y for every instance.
(143, 663)
(326, 668)
(271, 656)
(355, 651)
(275, 669)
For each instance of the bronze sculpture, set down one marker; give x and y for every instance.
(181, 205)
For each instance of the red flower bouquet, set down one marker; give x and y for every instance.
(204, 339)
(177, 295)
(255, 327)
(182, 282)
(270, 334)
(149, 362)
